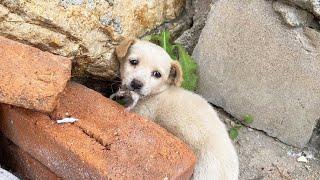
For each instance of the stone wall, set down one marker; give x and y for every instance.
(263, 58)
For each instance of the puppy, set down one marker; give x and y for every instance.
(147, 70)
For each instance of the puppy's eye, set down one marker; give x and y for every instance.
(156, 74)
(134, 62)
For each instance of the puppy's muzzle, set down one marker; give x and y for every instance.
(136, 84)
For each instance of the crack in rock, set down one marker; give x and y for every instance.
(234, 119)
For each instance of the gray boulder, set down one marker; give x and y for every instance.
(250, 62)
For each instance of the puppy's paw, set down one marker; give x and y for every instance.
(135, 98)
(129, 108)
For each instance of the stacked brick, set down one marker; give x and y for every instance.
(31, 78)
(105, 143)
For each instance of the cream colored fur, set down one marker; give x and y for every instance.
(183, 113)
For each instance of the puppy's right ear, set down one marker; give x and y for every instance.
(176, 75)
(123, 47)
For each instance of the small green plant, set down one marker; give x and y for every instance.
(234, 130)
(178, 52)
(248, 119)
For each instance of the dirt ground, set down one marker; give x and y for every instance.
(264, 158)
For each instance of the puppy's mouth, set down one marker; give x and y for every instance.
(138, 91)
(132, 89)
(129, 88)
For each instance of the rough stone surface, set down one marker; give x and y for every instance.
(252, 63)
(84, 30)
(31, 78)
(105, 142)
(7, 175)
(292, 15)
(264, 158)
(199, 9)
(177, 26)
(23, 164)
(310, 5)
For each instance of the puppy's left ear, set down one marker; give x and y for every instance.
(176, 74)
(123, 47)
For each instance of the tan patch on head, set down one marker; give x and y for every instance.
(176, 75)
(123, 47)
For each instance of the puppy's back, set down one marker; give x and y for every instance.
(189, 117)
(193, 119)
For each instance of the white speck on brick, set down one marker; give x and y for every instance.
(67, 120)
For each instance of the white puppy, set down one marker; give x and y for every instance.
(146, 69)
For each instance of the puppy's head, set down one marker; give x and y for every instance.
(146, 68)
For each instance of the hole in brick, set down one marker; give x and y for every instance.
(108, 147)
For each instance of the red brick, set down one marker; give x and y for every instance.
(23, 164)
(31, 78)
(106, 142)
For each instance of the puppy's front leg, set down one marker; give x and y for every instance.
(135, 98)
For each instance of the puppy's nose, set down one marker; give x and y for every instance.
(136, 84)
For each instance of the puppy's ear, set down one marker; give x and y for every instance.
(176, 74)
(123, 47)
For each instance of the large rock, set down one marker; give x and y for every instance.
(31, 78)
(86, 30)
(252, 63)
